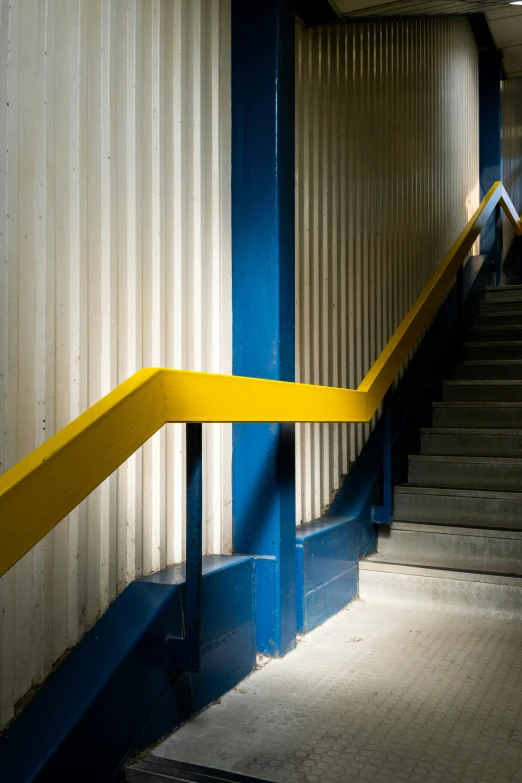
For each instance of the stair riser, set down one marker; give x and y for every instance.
(488, 372)
(499, 319)
(478, 393)
(502, 418)
(502, 295)
(462, 475)
(410, 546)
(488, 334)
(497, 306)
(480, 352)
(503, 513)
(472, 445)
(437, 593)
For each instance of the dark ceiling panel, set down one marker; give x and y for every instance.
(349, 8)
(315, 12)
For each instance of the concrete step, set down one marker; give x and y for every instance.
(445, 561)
(492, 305)
(495, 551)
(496, 473)
(509, 349)
(493, 288)
(499, 318)
(493, 333)
(471, 442)
(157, 769)
(478, 414)
(462, 507)
(500, 293)
(489, 370)
(482, 391)
(443, 585)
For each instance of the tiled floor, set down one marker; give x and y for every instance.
(378, 693)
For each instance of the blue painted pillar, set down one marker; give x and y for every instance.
(490, 128)
(263, 285)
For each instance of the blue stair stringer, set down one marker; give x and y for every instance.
(328, 548)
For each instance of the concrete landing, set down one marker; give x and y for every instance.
(378, 693)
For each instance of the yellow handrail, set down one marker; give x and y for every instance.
(45, 486)
(395, 353)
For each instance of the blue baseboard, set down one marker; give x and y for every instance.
(266, 603)
(113, 694)
(327, 552)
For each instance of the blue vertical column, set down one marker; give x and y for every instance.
(490, 150)
(263, 297)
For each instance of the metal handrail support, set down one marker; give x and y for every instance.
(185, 652)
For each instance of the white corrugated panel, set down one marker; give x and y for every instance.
(511, 151)
(386, 178)
(115, 255)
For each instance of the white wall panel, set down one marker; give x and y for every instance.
(386, 178)
(114, 255)
(511, 151)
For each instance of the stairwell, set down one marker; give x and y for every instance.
(343, 705)
(456, 537)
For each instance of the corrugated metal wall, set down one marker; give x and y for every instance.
(511, 151)
(115, 254)
(386, 178)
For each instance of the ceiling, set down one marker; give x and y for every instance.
(414, 7)
(505, 20)
(505, 23)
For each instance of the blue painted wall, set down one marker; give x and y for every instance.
(263, 42)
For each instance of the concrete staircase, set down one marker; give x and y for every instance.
(456, 538)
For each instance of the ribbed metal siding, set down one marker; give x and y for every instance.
(511, 150)
(115, 254)
(386, 178)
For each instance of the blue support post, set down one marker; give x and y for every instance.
(185, 652)
(263, 263)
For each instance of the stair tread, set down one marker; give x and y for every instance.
(492, 343)
(502, 300)
(467, 460)
(501, 314)
(514, 433)
(475, 404)
(516, 287)
(493, 327)
(483, 382)
(490, 362)
(496, 494)
(451, 529)
(450, 562)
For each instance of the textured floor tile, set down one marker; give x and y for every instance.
(378, 693)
